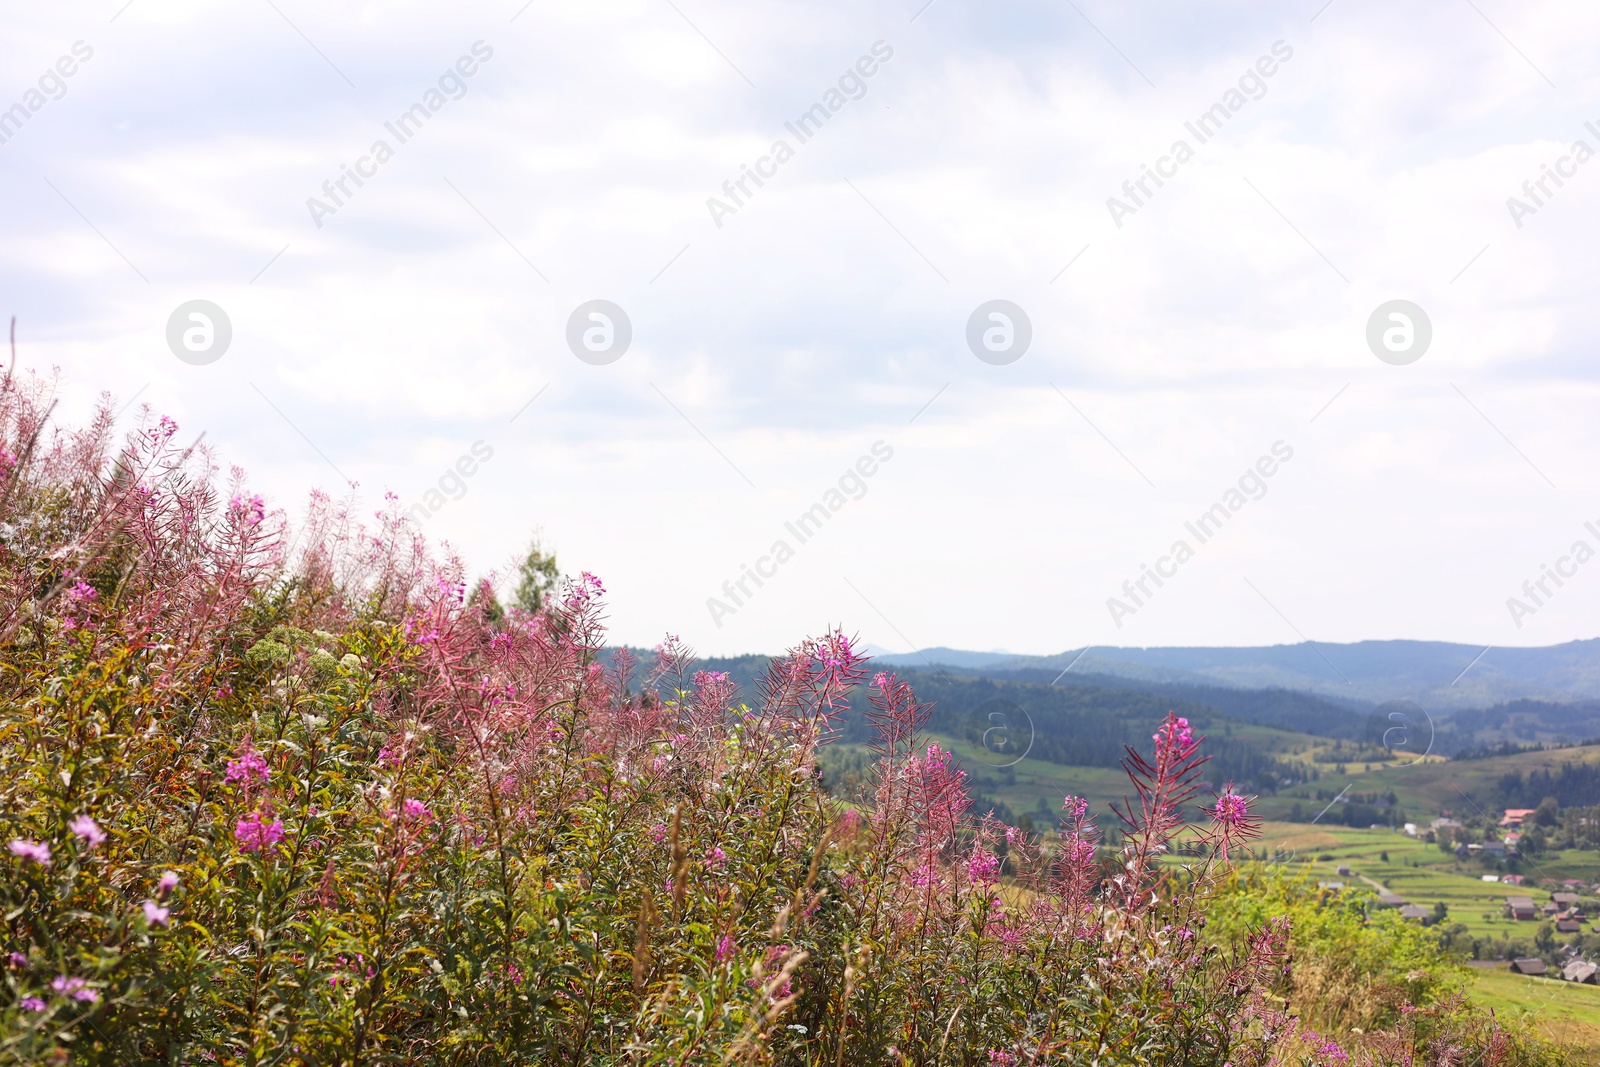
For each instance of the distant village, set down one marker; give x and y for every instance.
(1563, 908)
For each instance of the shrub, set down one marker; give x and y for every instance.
(322, 806)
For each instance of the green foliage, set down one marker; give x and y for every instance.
(1355, 965)
(537, 575)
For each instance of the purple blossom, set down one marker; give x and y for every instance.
(1174, 732)
(81, 591)
(17, 959)
(37, 851)
(415, 811)
(155, 914)
(32, 1004)
(257, 836)
(88, 829)
(168, 883)
(1232, 810)
(249, 509)
(76, 988)
(250, 764)
(584, 590)
(984, 867)
(725, 947)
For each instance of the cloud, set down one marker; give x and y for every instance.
(831, 308)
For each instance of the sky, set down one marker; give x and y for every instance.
(823, 341)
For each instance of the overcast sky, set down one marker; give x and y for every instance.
(779, 334)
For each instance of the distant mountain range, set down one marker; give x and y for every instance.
(1440, 676)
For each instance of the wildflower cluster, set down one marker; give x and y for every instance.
(337, 806)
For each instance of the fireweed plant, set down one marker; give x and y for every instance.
(309, 801)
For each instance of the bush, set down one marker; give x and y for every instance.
(324, 807)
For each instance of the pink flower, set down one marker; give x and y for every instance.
(88, 829)
(984, 867)
(716, 857)
(249, 510)
(415, 811)
(1174, 733)
(32, 1004)
(1231, 821)
(257, 836)
(1075, 807)
(17, 959)
(584, 590)
(81, 591)
(36, 851)
(658, 832)
(155, 914)
(250, 764)
(168, 883)
(76, 988)
(725, 947)
(1231, 809)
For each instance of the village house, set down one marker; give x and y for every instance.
(1521, 909)
(1529, 966)
(1514, 816)
(1581, 971)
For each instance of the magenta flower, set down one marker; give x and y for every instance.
(17, 959)
(1075, 807)
(984, 867)
(1231, 810)
(81, 591)
(250, 764)
(76, 988)
(584, 590)
(716, 858)
(725, 947)
(1174, 733)
(32, 1004)
(250, 510)
(37, 851)
(1231, 821)
(257, 836)
(155, 914)
(415, 811)
(168, 883)
(88, 829)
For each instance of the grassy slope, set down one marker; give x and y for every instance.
(1420, 872)
(1562, 1011)
(1425, 788)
